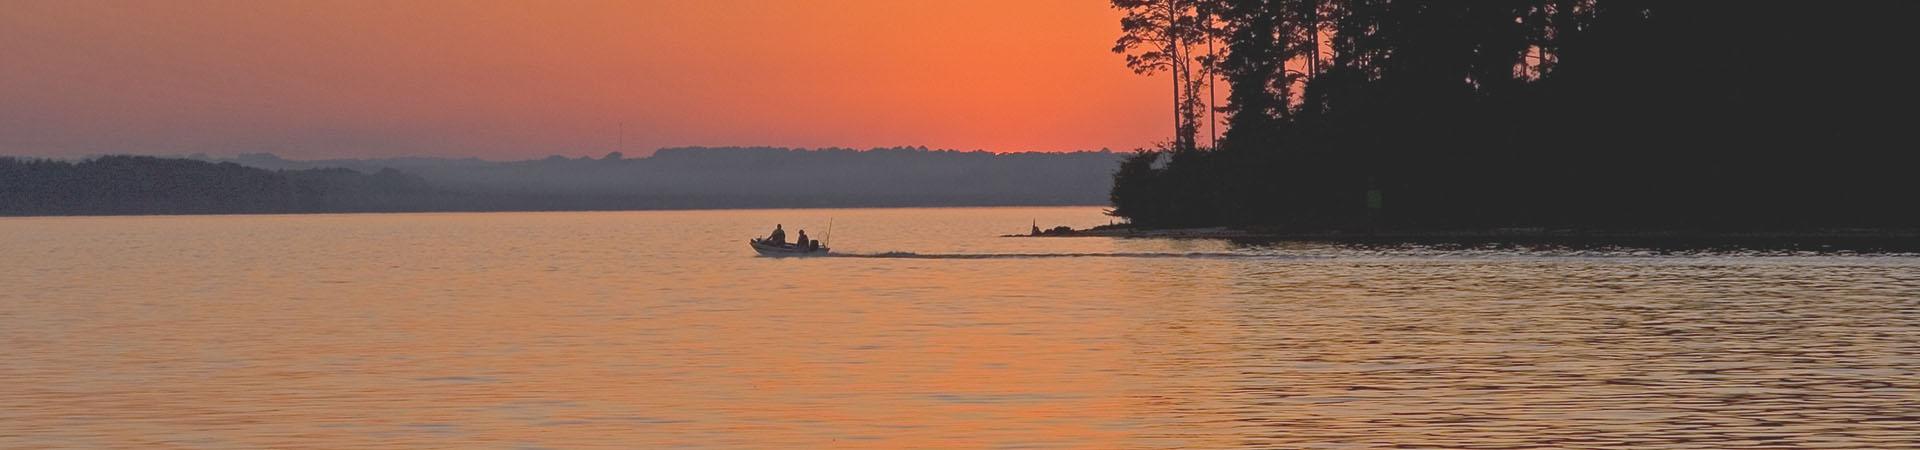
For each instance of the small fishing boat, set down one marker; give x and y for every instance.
(775, 245)
(769, 248)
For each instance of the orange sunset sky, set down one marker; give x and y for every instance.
(526, 79)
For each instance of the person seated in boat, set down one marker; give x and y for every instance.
(779, 236)
(802, 241)
(813, 245)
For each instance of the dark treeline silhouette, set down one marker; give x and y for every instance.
(150, 185)
(757, 177)
(1605, 114)
(680, 178)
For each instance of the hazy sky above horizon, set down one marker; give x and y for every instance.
(523, 79)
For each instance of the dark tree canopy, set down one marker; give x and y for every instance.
(1348, 114)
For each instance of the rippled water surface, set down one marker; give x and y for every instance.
(661, 329)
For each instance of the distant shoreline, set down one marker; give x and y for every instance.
(673, 179)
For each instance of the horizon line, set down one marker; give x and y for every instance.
(650, 154)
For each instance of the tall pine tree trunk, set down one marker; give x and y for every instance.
(1213, 122)
(1313, 38)
(1174, 69)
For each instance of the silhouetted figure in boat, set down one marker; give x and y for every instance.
(802, 241)
(779, 236)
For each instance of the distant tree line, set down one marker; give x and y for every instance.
(680, 178)
(151, 185)
(1347, 114)
(757, 177)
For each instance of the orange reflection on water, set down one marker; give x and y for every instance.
(660, 329)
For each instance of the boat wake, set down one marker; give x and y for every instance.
(912, 255)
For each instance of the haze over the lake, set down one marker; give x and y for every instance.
(508, 80)
(1103, 224)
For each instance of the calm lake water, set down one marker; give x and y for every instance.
(662, 329)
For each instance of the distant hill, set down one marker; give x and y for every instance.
(151, 185)
(674, 178)
(742, 177)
